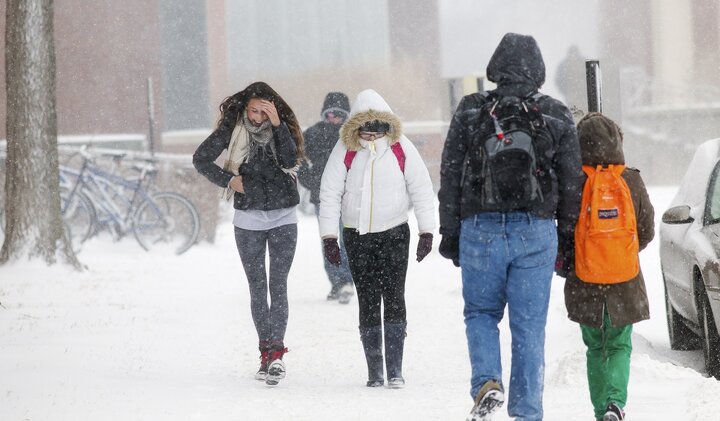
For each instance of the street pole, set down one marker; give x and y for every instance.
(151, 118)
(594, 85)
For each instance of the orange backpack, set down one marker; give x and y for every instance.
(606, 241)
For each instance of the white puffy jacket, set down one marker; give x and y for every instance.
(374, 195)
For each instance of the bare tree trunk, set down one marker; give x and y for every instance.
(33, 218)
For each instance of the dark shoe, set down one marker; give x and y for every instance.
(276, 368)
(489, 399)
(372, 346)
(334, 294)
(394, 347)
(375, 383)
(613, 413)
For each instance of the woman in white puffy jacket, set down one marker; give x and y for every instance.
(373, 176)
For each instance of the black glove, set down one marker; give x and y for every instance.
(565, 260)
(331, 250)
(424, 245)
(450, 248)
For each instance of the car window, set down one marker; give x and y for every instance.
(713, 200)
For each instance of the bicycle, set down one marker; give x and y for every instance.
(158, 221)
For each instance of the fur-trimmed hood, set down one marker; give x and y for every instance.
(369, 106)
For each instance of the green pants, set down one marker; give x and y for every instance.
(608, 363)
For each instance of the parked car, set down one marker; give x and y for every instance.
(690, 258)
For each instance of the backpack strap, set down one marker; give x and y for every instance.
(349, 156)
(396, 148)
(399, 154)
(615, 168)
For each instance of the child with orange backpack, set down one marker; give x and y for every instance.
(604, 290)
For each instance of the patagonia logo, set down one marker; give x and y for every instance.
(608, 213)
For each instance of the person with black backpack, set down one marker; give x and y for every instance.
(510, 168)
(605, 302)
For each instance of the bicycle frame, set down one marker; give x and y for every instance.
(108, 192)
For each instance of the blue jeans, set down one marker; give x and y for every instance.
(508, 258)
(338, 275)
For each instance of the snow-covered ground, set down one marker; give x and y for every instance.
(139, 336)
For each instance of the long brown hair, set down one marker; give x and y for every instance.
(261, 90)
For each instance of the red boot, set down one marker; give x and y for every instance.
(264, 361)
(276, 368)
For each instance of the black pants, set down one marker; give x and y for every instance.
(270, 319)
(378, 263)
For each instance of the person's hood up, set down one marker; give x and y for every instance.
(369, 106)
(517, 61)
(600, 140)
(335, 101)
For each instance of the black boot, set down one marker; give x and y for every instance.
(372, 345)
(394, 345)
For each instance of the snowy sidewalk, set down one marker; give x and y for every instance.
(146, 337)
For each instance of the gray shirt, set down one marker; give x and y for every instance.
(259, 220)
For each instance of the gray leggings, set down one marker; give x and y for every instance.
(270, 319)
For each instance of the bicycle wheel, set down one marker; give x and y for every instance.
(79, 214)
(166, 222)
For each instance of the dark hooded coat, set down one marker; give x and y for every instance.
(267, 186)
(319, 142)
(518, 69)
(627, 302)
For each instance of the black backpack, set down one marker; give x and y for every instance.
(507, 156)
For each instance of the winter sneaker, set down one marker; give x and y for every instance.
(334, 294)
(345, 294)
(264, 363)
(613, 413)
(489, 399)
(396, 383)
(276, 368)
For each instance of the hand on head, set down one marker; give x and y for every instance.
(269, 109)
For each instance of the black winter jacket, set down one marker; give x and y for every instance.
(518, 69)
(267, 187)
(319, 142)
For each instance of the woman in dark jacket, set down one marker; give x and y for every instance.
(265, 146)
(606, 312)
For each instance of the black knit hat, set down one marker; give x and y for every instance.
(336, 102)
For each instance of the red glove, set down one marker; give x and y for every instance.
(424, 245)
(331, 250)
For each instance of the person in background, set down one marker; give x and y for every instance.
(265, 146)
(319, 142)
(507, 255)
(606, 312)
(372, 177)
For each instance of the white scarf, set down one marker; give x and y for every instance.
(237, 154)
(238, 151)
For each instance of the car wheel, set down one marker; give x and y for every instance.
(711, 339)
(681, 337)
